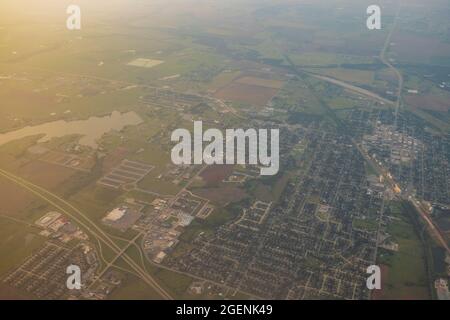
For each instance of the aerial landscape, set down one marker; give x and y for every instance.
(332, 169)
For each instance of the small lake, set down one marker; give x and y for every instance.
(90, 130)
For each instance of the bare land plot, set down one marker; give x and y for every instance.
(46, 175)
(251, 94)
(145, 63)
(216, 173)
(416, 48)
(428, 102)
(221, 195)
(267, 83)
(16, 199)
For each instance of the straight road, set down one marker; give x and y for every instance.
(111, 263)
(352, 88)
(433, 229)
(387, 63)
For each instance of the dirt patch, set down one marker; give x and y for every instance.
(251, 94)
(428, 102)
(18, 199)
(46, 175)
(380, 294)
(10, 293)
(222, 195)
(422, 48)
(261, 82)
(216, 173)
(25, 99)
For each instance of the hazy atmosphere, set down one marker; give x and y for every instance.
(217, 150)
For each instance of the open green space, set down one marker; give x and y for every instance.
(405, 274)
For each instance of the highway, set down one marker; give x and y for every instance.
(111, 263)
(86, 223)
(352, 88)
(390, 66)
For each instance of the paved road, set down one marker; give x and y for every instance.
(433, 229)
(118, 255)
(87, 224)
(390, 66)
(353, 88)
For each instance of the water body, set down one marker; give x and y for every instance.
(90, 130)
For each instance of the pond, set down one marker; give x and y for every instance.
(90, 130)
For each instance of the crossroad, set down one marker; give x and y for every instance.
(86, 223)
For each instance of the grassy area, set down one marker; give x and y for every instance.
(321, 58)
(434, 122)
(17, 148)
(405, 272)
(323, 216)
(348, 75)
(295, 96)
(341, 103)
(269, 189)
(365, 224)
(175, 282)
(370, 169)
(134, 288)
(17, 241)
